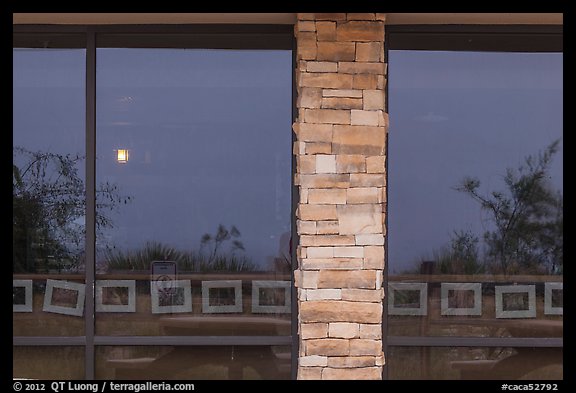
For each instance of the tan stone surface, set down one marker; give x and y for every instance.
(313, 360)
(358, 373)
(329, 116)
(369, 51)
(325, 181)
(323, 294)
(343, 330)
(306, 25)
(321, 66)
(367, 180)
(360, 31)
(306, 227)
(327, 240)
(371, 239)
(351, 361)
(376, 164)
(364, 81)
(362, 347)
(313, 330)
(318, 148)
(327, 347)
(374, 257)
(361, 279)
(306, 46)
(363, 195)
(362, 295)
(346, 163)
(317, 212)
(340, 311)
(341, 103)
(325, 163)
(327, 196)
(354, 67)
(313, 132)
(326, 31)
(358, 219)
(332, 263)
(335, 51)
(327, 227)
(352, 93)
(360, 16)
(309, 97)
(326, 80)
(359, 140)
(363, 118)
(309, 279)
(309, 373)
(373, 99)
(371, 331)
(306, 164)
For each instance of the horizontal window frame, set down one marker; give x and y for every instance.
(477, 38)
(199, 36)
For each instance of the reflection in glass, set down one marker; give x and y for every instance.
(193, 363)
(476, 192)
(48, 191)
(48, 363)
(475, 363)
(198, 143)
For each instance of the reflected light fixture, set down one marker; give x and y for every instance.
(122, 156)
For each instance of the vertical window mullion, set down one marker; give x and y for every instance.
(90, 198)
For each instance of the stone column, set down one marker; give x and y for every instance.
(340, 149)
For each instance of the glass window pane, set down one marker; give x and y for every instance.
(48, 363)
(475, 363)
(475, 194)
(194, 147)
(192, 363)
(48, 198)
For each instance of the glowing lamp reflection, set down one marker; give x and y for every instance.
(122, 156)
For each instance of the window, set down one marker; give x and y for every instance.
(156, 167)
(475, 227)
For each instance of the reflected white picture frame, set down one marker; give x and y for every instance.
(549, 309)
(28, 292)
(258, 308)
(232, 308)
(422, 287)
(101, 284)
(501, 290)
(156, 288)
(77, 310)
(445, 289)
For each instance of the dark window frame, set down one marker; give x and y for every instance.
(205, 36)
(473, 38)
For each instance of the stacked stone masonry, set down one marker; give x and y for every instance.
(340, 151)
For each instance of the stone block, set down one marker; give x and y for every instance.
(340, 311)
(327, 347)
(327, 196)
(335, 51)
(328, 116)
(341, 103)
(360, 279)
(363, 140)
(358, 219)
(360, 31)
(346, 163)
(343, 330)
(317, 212)
(373, 99)
(325, 163)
